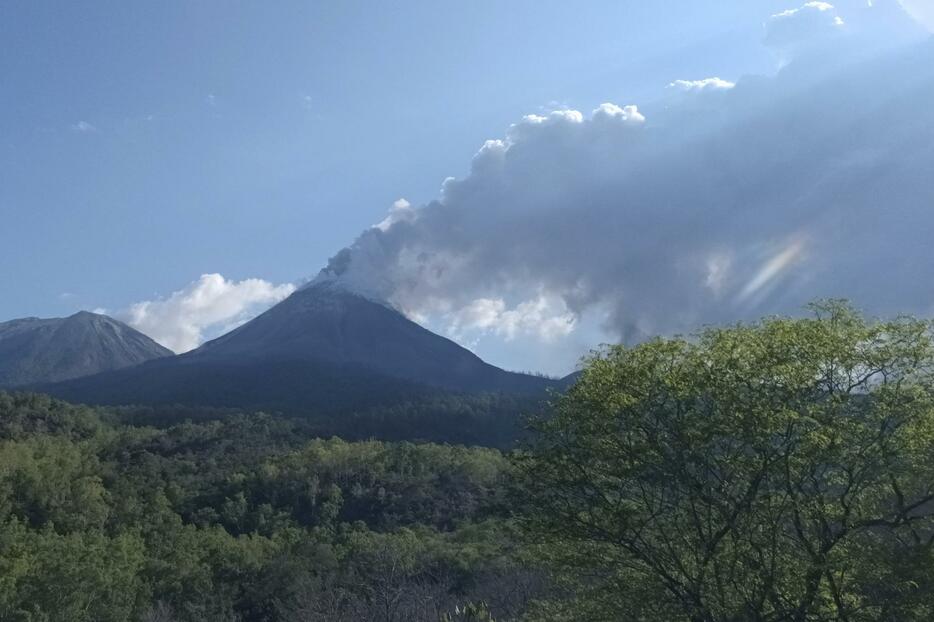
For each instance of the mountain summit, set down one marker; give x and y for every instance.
(327, 323)
(34, 350)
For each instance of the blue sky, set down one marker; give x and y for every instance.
(143, 145)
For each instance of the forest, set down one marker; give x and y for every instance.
(244, 517)
(781, 470)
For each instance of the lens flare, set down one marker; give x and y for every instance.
(773, 268)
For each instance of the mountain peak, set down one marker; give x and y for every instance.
(90, 317)
(86, 314)
(327, 323)
(337, 292)
(37, 350)
(365, 283)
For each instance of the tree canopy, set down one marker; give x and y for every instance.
(246, 517)
(782, 470)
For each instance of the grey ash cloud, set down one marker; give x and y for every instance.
(715, 205)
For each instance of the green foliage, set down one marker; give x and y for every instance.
(386, 486)
(470, 612)
(487, 419)
(24, 415)
(47, 481)
(78, 577)
(239, 517)
(777, 471)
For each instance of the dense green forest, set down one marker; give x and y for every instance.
(777, 471)
(484, 419)
(245, 517)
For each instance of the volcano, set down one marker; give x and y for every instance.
(322, 347)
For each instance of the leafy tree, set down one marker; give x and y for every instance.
(782, 470)
(52, 481)
(79, 577)
(24, 415)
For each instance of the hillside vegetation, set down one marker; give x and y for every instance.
(243, 517)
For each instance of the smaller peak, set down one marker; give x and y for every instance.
(85, 314)
(90, 316)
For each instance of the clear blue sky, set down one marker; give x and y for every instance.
(143, 144)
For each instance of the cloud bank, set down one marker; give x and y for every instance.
(702, 85)
(210, 305)
(740, 200)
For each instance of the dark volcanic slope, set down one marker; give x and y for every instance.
(34, 350)
(321, 348)
(324, 323)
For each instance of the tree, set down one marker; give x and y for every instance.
(78, 577)
(782, 470)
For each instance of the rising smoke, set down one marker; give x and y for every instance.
(722, 202)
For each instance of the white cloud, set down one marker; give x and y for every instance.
(712, 84)
(545, 318)
(401, 210)
(719, 264)
(83, 127)
(802, 30)
(613, 113)
(210, 304)
(820, 7)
